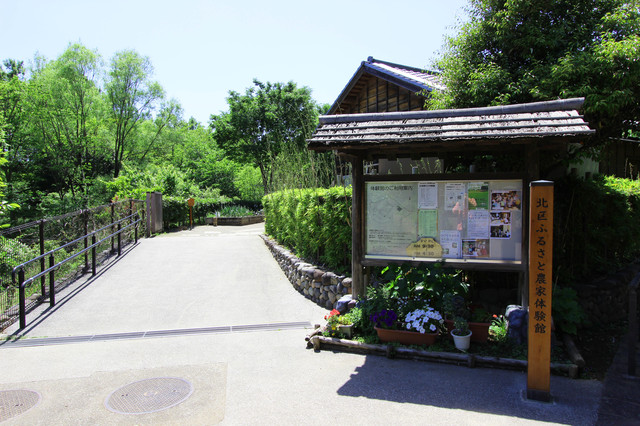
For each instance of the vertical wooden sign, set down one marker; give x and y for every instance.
(540, 286)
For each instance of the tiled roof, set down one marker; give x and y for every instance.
(521, 122)
(415, 80)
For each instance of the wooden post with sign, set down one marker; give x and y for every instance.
(191, 202)
(540, 286)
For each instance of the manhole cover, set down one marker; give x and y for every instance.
(16, 402)
(149, 395)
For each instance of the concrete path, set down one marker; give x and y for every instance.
(210, 311)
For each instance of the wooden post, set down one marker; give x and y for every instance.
(357, 225)
(191, 202)
(540, 286)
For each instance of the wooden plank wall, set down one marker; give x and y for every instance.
(621, 159)
(372, 94)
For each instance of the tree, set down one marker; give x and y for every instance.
(4, 205)
(12, 89)
(524, 51)
(64, 108)
(263, 121)
(132, 96)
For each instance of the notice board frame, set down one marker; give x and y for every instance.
(464, 263)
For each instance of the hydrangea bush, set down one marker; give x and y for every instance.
(426, 320)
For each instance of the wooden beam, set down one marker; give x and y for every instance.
(357, 226)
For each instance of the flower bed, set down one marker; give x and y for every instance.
(404, 314)
(469, 359)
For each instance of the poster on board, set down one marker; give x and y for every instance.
(457, 219)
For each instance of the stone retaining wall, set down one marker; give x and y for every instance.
(323, 287)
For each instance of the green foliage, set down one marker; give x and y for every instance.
(248, 183)
(12, 254)
(498, 329)
(568, 315)
(460, 326)
(596, 227)
(315, 223)
(131, 94)
(78, 132)
(517, 51)
(424, 283)
(263, 121)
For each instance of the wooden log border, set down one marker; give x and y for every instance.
(470, 360)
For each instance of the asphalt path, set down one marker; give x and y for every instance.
(211, 308)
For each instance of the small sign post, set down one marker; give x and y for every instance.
(191, 202)
(540, 286)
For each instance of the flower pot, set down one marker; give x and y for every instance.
(462, 342)
(406, 337)
(346, 330)
(480, 331)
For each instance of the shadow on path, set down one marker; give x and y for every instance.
(481, 390)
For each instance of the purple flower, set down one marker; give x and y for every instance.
(386, 318)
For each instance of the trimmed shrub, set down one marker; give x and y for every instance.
(315, 223)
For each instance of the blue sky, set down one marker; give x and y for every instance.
(203, 49)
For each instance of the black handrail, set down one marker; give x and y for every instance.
(22, 283)
(77, 240)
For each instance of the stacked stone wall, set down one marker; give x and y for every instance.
(323, 287)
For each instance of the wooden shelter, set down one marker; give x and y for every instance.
(523, 129)
(380, 86)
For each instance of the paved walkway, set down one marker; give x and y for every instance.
(209, 308)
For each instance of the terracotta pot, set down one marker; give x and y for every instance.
(406, 337)
(480, 331)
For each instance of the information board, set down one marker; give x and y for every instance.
(423, 220)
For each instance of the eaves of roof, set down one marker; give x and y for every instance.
(551, 120)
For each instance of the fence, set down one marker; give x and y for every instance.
(70, 235)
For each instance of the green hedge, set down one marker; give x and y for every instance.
(315, 223)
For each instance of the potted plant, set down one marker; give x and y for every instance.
(454, 306)
(461, 334)
(419, 327)
(479, 324)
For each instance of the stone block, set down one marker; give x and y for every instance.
(328, 278)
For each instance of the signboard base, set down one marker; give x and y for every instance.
(538, 395)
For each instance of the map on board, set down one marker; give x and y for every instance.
(467, 220)
(392, 217)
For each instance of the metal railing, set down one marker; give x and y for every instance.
(26, 241)
(19, 270)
